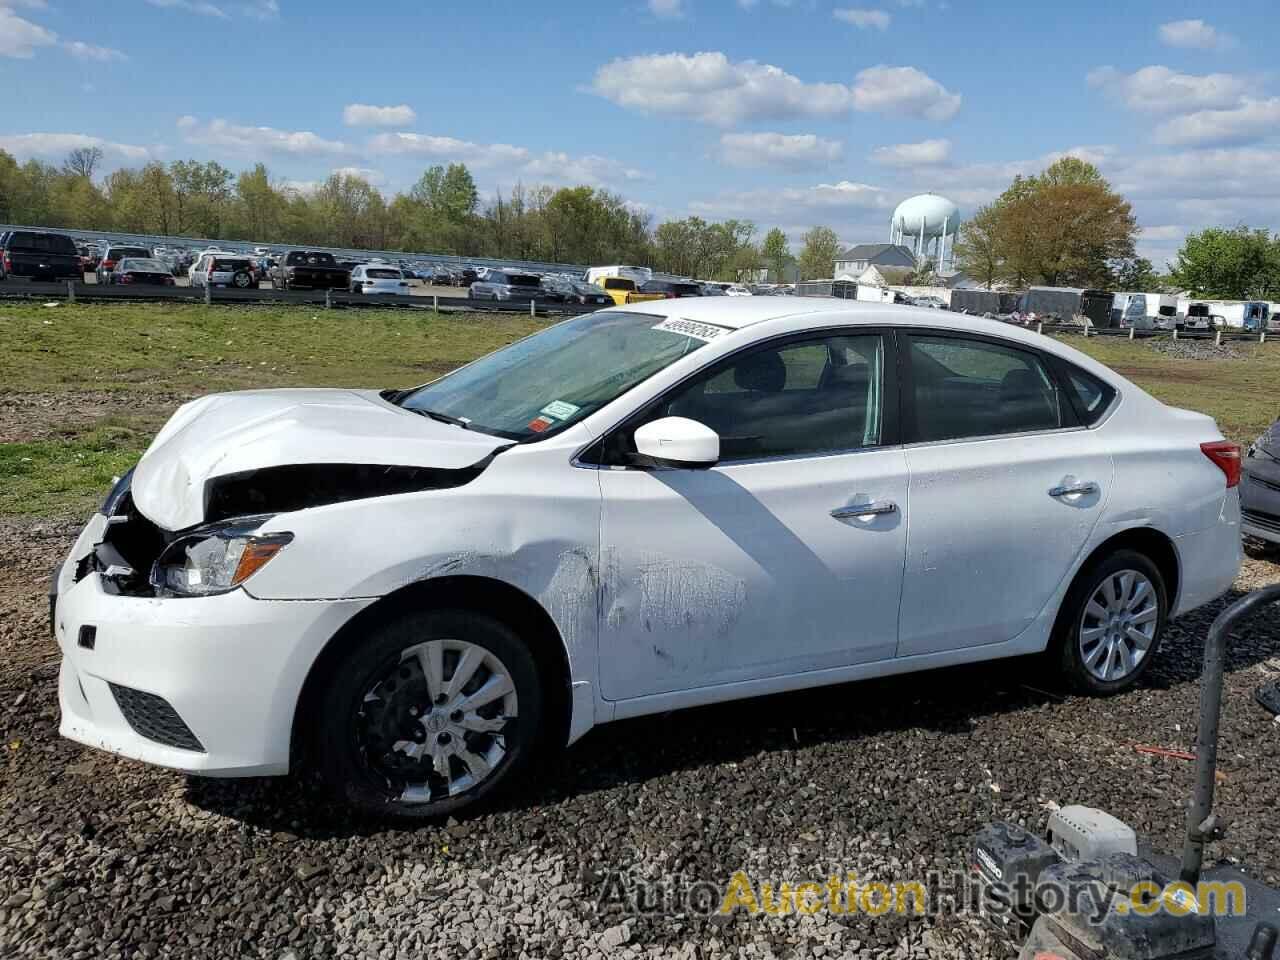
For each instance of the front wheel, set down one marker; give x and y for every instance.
(1111, 623)
(428, 714)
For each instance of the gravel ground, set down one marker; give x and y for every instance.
(101, 857)
(1196, 349)
(26, 417)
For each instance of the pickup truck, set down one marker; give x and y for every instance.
(310, 269)
(39, 256)
(624, 291)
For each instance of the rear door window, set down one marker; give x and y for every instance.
(976, 388)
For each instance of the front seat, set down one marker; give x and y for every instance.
(1024, 403)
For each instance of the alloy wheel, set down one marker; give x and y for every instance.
(1118, 626)
(434, 725)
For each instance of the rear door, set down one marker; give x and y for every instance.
(1006, 489)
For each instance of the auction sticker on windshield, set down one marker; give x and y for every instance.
(559, 409)
(698, 331)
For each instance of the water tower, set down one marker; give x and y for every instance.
(924, 223)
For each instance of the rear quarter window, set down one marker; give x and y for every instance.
(1090, 396)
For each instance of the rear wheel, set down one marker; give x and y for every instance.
(1111, 623)
(428, 714)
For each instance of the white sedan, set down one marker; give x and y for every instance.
(641, 509)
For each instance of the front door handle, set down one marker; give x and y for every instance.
(1071, 487)
(873, 509)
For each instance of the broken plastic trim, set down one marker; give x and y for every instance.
(300, 486)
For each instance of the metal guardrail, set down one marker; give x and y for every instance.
(1132, 333)
(70, 291)
(343, 253)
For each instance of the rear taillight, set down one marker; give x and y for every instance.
(126, 278)
(1226, 457)
(169, 282)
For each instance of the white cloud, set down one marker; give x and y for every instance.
(1251, 120)
(447, 148)
(804, 151)
(926, 153)
(262, 9)
(87, 51)
(1195, 34)
(57, 145)
(546, 167)
(1158, 89)
(708, 86)
(667, 9)
(201, 7)
(375, 177)
(904, 90)
(863, 19)
(224, 134)
(21, 38)
(365, 115)
(822, 199)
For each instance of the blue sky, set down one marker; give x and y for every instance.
(785, 112)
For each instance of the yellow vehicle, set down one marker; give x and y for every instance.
(624, 290)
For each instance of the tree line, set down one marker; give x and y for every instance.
(1068, 227)
(443, 212)
(1063, 227)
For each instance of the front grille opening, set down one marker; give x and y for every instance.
(152, 717)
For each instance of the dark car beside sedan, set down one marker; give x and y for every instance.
(144, 271)
(1260, 487)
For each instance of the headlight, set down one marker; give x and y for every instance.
(215, 559)
(118, 490)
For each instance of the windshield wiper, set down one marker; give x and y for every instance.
(442, 417)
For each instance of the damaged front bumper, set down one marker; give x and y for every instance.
(1260, 496)
(207, 685)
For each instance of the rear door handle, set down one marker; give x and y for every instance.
(873, 509)
(1071, 487)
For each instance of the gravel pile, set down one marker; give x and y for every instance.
(1197, 349)
(101, 857)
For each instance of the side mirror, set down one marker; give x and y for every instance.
(678, 442)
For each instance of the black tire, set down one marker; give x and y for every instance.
(242, 281)
(341, 739)
(1065, 649)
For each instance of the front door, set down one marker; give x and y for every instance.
(784, 558)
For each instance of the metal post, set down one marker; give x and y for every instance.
(1262, 335)
(1039, 326)
(532, 311)
(435, 302)
(71, 291)
(1217, 340)
(1131, 329)
(328, 298)
(1175, 333)
(1202, 826)
(208, 293)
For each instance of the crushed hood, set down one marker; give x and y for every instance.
(230, 433)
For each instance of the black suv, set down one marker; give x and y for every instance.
(33, 255)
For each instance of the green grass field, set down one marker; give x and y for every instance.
(84, 387)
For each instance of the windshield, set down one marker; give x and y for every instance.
(554, 378)
(154, 266)
(315, 259)
(382, 273)
(41, 242)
